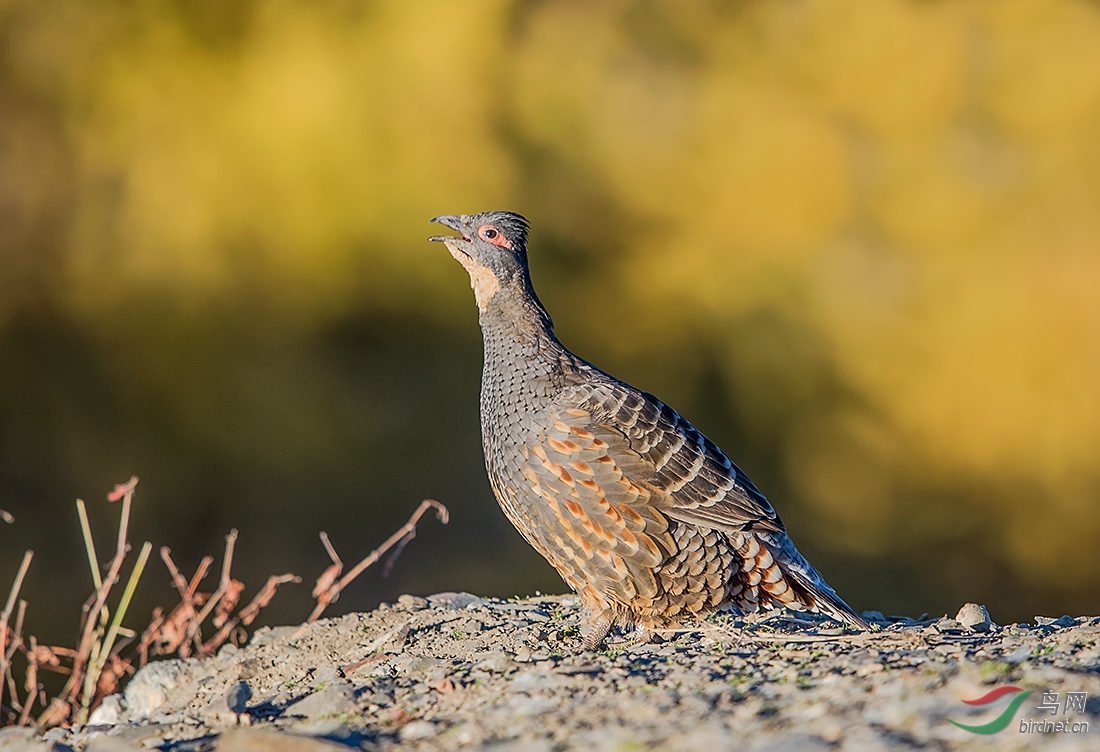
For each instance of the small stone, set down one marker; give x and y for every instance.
(1062, 621)
(104, 743)
(255, 740)
(416, 731)
(869, 668)
(330, 701)
(237, 697)
(456, 601)
(326, 675)
(412, 602)
(57, 736)
(534, 679)
(975, 617)
(495, 663)
(949, 626)
(797, 743)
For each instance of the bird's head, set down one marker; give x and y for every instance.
(493, 249)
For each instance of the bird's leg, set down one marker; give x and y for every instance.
(639, 636)
(596, 633)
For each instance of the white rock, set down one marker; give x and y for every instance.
(149, 690)
(109, 711)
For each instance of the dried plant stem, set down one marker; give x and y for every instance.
(31, 683)
(126, 491)
(5, 615)
(93, 560)
(403, 535)
(223, 586)
(89, 543)
(104, 650)
(249, 612)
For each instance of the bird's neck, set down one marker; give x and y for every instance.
(515, 324)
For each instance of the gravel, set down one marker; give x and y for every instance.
(457, 671)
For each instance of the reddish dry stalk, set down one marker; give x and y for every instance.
(5, 655)
(31, 682)
(18, 631)
(200, 573)
(262, 598)
(14, 695)
(331, 573)
(172, 633)
(229, 602)
(107, 683)
(223, 587)
(177, 578)
(150, 635)
(249, 612)
(403, 535)
(124, 491)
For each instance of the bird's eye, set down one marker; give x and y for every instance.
(494, 236)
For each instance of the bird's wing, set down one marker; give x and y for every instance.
(596, 526)
(689, 477)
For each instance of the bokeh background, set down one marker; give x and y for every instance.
(855, 241)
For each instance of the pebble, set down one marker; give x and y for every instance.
(256, 740)
(974, 617)
(416, 731)
(330, 700)
(948, 626)
(1062, 621)
(237, 697)
(412, 602)
(456, 600)
(104, 743)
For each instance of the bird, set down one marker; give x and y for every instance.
(645, 518)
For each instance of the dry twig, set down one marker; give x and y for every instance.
(5, 615)
(30, 683)
(150, 635)
(403, 535)
(223, 587)
(249, 612)
(125, 492)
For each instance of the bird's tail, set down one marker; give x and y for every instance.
(775, 573)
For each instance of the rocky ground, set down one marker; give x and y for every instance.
(455, 671)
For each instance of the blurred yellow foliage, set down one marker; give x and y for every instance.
(915, 182)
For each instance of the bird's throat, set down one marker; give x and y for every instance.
(482, 279)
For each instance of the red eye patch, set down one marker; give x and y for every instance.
(494, 236)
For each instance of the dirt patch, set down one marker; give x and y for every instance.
(455, 671)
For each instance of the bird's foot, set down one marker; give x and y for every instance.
(637, 636)
(596, 633)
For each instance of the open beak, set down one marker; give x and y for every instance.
(455, 223)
